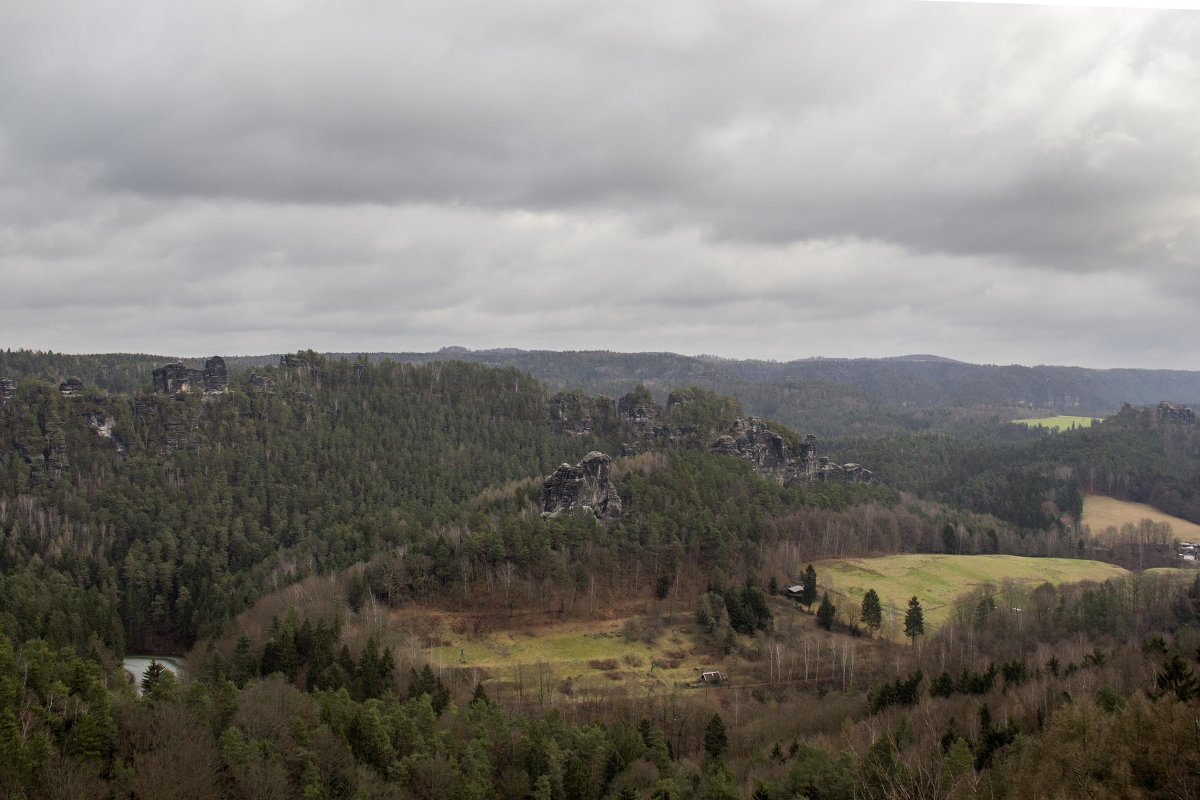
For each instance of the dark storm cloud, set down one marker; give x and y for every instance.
(770, 178)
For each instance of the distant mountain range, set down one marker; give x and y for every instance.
(917, 381)
(826, 396)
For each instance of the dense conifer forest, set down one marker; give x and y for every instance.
(279, 532)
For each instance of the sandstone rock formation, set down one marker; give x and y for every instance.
(7, 390)
(101, 423)
(640, 415)
(752, 440)
(177, 377)
(173, 378)
(71, 387)
(306, 364)
(261, 382)
(639, 409)
(848, 473)
(583, 487)
(771, 456)
(216, 377)
(306, 361)
(576, 413)
(1173, 413)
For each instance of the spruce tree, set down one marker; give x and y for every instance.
(914, 620)
(1177, 677)
(872, 611)
(826, 612)
(808, 594)
(152, 676)
(715, 737)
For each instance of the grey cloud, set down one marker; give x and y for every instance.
(795, 177)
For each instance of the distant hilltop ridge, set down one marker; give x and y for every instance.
(786, 391)
(921, 380)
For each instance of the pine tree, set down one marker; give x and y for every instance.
(1177, 677)
(152, 676)
(243, 665)
(808, 594)
(872, 611)
(715, 737)
(914, 620)
(826, 612)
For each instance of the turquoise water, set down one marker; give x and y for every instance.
(136, 667)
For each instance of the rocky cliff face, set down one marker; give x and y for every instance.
(644, 419)
(578, 414)
(583, 487)
(177, 377)
(261, 382)
(752, 440)
(7, 390)
(639, 409)
(216, 377)
(848, 473)
(1178, 414)
(71, 387)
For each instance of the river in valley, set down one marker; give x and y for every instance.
(136, 665)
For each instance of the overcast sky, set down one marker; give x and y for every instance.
(769, 178)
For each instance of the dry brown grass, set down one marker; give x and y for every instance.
(505, 491)
(1100, 512)
(643, 462)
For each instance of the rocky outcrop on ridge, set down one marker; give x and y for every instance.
(578, 414)
(772, 457)
(261, 382)
(639, 409)
(304, 361)
(1179, 414)
(7, 390)
(178, 377)
(71, 387)
(848, 473)
(753, 441)
(583, 487)
(646, 419)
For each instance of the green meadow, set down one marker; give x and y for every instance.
(938, 581)
(1063, 422)
(585, 652)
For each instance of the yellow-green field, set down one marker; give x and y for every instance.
(585, 652)
(939, 580)
(1180, 573)
(1100, 512)
(1062, 422)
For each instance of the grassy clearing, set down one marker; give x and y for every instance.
(939, 580)
(1183, 574)
(1063, 422)
(1100, 512)
(585, 652)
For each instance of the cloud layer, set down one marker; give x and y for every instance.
(767, 179)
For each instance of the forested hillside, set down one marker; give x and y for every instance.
(191, 504)
(1033, 479)
(897, 385)
(824, 396)
(299, 531)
